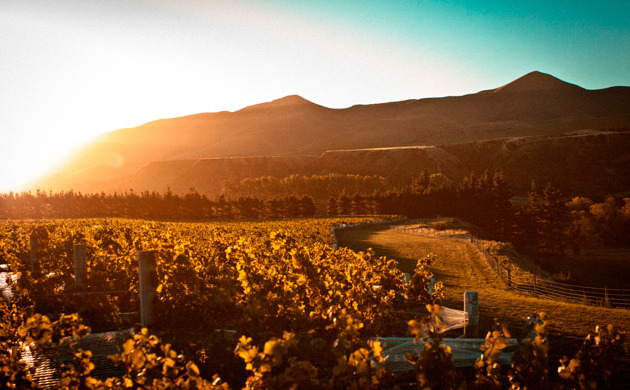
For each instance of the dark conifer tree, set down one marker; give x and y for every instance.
(501, 207)
(552, 222)
(332, 207)
(344, 205)
(307, 206)
(421, 183)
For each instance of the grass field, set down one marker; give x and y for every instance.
(460, 267)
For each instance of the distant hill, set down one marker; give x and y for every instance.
(536, 127)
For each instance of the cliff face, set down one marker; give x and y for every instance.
(588, 163)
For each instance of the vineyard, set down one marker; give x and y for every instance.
(252, 279)
(301, 313)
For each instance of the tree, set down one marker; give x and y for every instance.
(344, 205)
(307, 206)
(332, 207)
(357, 204)
(551, 216)
(582, 229)
(501, 207)
(421, 183)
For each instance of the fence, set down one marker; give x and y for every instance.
(147, 279)
(531, 283)
(467, 319)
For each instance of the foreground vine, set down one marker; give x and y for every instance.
(295, 312)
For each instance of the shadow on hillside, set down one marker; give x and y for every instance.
(361, 239)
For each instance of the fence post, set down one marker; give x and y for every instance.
(534, 284)
(147, 269)
(35, 267)
(471, 307)
(585, 300)
(80, 265)
(509, 278)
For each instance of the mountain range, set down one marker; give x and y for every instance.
(535, 128)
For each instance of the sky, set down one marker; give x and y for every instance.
(73, 69)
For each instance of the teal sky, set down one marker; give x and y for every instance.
(586, 42)
(72, 69)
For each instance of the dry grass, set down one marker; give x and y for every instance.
(461, 268)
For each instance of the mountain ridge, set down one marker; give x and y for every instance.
(534, 105)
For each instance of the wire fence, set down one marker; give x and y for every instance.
(530, 283)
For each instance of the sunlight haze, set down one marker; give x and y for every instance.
(73, 69)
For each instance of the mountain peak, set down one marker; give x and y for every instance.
(290, 101)
(537, 81)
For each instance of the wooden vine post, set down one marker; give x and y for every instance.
(147, 269)
(35, 267)
(80, 265)
(471, 307)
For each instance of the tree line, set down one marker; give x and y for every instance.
(548, 222)
(316, 186)
(151, 205)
